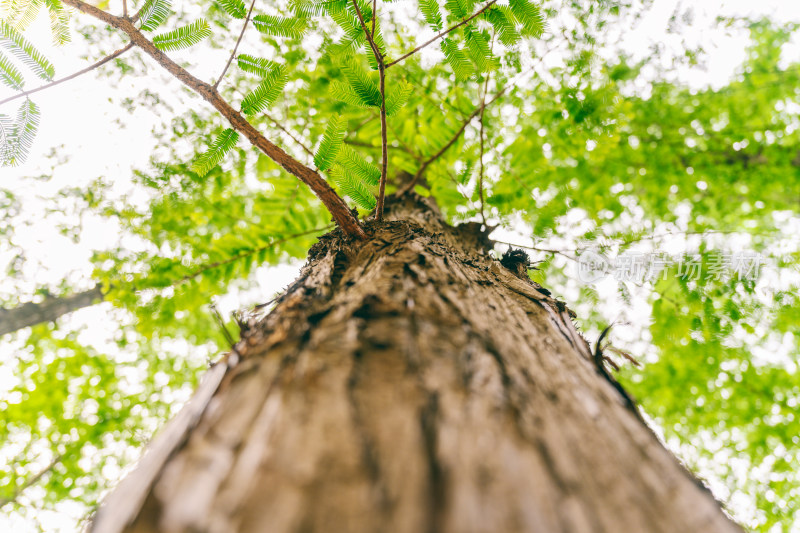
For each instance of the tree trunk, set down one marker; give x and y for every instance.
(410, 383)
(30, 314)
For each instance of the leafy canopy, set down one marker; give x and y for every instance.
(523, 114)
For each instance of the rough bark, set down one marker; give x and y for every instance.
(30, 314)
(410, 383)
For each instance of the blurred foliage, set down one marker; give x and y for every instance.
(580, 152)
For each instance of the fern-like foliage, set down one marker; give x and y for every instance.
(501, 18)
(266, 93)
(363, 84)
(10, 74)
(344, 93)
(25, 52)
(359, 167)
(234, 8)
(183, 37)
(21, 13)
(457, 59)
(317, 8)
(433, 15)
(292, 27)
(18, 137)
(331, 144)
(59, 21)
(398, 97)
(6, 131)
(479, 50)
(350, 25)
(529, 15)
(256, 65)
(352, 187)
(460, 9)
(209, 159)
(154, 13)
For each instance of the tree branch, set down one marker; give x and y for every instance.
(103, 61)
(333, 202)
(441, 34)
(31, 481)
(236, 47)
(384, 141)
(450, 143)
(30, 314)
(480, 177)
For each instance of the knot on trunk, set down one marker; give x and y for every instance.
(517, 261)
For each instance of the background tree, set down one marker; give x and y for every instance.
(576, 152)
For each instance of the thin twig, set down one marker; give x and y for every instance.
(382, 87)
(437, 155)
(31, 481)
(236, 47)
(543, 250)
(125, 8)
(103, 61)
(336, 206)
(480, 177)
(289, 133)
(441, 34)
(374, 17)
(205, 268)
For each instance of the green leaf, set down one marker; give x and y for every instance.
(10, 75)
(501, 18)
(317, 8)
(234, 8)
(351, 186)
(433, 16)
(353, 162)
(256, 65)
(457, 59)
(25, 52)
(364, 85)
(398, 97)
(59, 21)
(479, 50)
(154, 13)
(529, 15)
(460, 9)
(344, 93)
(280, 26)
(266, 93)
(223, 144)
(21, 13)
(183, 37)
(331, 143)
(23, 132)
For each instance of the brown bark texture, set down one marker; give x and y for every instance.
(30, 314)
(409, 382)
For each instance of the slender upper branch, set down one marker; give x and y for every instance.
(384, 141)
(280, 126)
(449, 143)
(441, 34)
(91, 67)
(332, 201)
(238, 41)
(31, 481)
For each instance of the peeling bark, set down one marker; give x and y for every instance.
(410, 383)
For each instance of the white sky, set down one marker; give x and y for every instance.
(79, 116)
